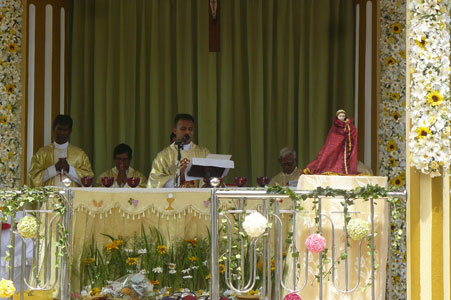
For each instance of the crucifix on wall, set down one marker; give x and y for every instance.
(213, 26)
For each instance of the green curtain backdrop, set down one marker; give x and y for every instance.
(284, 68)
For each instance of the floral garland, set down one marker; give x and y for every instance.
(430, 107)
(10, 92)
(392, 128)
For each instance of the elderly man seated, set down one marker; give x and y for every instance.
(290, 172)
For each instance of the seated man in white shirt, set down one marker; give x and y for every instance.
(53, 163)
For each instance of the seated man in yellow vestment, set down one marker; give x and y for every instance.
(59, 160)
(121, 171)
(164, 166)
(290, 172)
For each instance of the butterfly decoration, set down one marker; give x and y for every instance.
(133, 202)
(97, 204)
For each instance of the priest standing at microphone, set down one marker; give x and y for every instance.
(164, 166)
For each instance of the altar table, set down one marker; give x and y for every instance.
(183, 214)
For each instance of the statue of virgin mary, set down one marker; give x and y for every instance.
(339, 153)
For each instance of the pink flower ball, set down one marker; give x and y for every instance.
(315, 243)
(292, 296)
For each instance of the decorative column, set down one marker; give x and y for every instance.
(11, 97)
(428, 149)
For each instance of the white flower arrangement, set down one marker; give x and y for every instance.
(358, 229)
(430, 107)
(255, 224)
(28, 227)
(10, 93)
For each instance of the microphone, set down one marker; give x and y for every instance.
(185, 139)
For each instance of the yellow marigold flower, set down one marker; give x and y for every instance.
(162, 249)
(12, 47)
(10, 88)
(422, 43)
(253, 292)
(7, 288)
(131, 261)
(94, 291)
(221, 268)
(114, 245)
(394, 96)
(391, 146)
(4, 120)
(395, 115)
(396, 28)
(208, 276)
(9, 107)
(155, 282)
(389, 61)
(88, 260)
(423, 132)
(192, 258)
(10, 155)
(397, 181)
(435, 98)
(272, 264)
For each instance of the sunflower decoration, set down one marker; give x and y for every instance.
(162, 249)
(396, 28)
(395, 96)
(221, 268)
(131, 261)
(393, 162)
(4, 120)
(389, 61)
(391, 146)
(10, 88)
(423, 132)
(421, 43)
(395, 115)
(13, 47)
(397, 181)
(435, 98)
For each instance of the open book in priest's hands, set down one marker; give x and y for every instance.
(214, 165)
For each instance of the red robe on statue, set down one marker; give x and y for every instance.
(339, 153)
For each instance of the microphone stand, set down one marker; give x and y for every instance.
(179, 158)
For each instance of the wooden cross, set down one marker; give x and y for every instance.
(213, 28)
